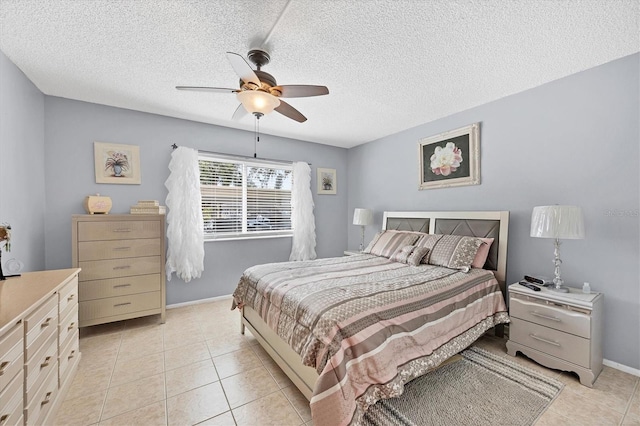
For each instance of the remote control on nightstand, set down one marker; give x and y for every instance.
(529, 285)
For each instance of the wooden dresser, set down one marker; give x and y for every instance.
(39, 344)
(122, 259)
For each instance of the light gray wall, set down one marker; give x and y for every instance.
(572, 141)
(22, 162)
(71, 127)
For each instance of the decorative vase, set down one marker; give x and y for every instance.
(117, 170)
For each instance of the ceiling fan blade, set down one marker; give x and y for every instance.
(207, 89)
(243, 69)
(289, 111)
(301, 91)
(239, 113)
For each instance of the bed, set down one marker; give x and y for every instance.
(352, 330)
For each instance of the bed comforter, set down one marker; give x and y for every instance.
(369, 325)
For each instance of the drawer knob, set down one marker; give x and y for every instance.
(121, 267)
(46, 323)
(3, 366)
(121, 304)
(4, 418)
(550, 342)
(121, 248)
(70, 298)
(547, 317)
(47, 398)
(45, 363)
(72, 354)
(122, 230)
(71, 326)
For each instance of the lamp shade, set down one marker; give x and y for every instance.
(563, 222)
(258, 101)
(362, 217)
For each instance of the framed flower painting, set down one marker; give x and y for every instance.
(116, 163)
(451, 158)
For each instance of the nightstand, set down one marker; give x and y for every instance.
(558, 330)
(351, 252)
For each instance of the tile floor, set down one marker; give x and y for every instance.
(198, 369)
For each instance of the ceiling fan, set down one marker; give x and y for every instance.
(259, 92)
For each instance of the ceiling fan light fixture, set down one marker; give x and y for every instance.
(255, 101)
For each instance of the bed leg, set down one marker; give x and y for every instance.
(499, 329)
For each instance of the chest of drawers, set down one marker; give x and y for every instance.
(558, 330)
(36, 328)
(122, 260)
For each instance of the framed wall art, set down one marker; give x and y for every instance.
(327, 181)
(116, 163)
(450, 159)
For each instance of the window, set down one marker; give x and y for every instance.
(244, 198)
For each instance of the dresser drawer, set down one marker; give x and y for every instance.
(39, 367)
(565, 346)
(67, 297)
(110, 287)
(118, 230)
(117, 249)
(11, 403)
(112, 306)
(40, 405)
(42, 330)
(68, 326)
(41, 318)
(68, 357)
(101, 269)
(11, 361)
(559, 318)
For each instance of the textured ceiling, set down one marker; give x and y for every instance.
(389, 65)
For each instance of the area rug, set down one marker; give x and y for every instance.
(479, 388)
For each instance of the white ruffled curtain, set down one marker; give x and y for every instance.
(185, 251)
(304, 225)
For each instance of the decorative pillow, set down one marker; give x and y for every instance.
(417, 255)
(387, 242)
(428, 241)
(483, 252)
(402, 254)
(454, 251)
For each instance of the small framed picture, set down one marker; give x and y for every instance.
(116, 163)
(327, 181)
(450, 159)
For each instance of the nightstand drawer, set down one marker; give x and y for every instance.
(548, 315)
(553, 342)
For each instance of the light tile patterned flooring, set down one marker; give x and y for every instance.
(198, 369)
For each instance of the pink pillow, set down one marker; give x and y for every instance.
(482, 253)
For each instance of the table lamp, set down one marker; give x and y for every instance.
(558, 222)
(362, 217)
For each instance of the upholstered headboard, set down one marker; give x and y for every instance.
(482, 224)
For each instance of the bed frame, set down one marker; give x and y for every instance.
(489, 224)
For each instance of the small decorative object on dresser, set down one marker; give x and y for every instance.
(558, 330)
(122, 260)
(148, 207)
(96, 204)
(5, 235)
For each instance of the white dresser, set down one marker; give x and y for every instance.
(39, 344)
(122, 260)
(558, 330)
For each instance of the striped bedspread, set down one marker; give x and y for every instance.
(369, 325)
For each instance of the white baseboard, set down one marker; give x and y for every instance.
(197, 302)
(621, 367)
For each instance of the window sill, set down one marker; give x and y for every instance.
(245, 237)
